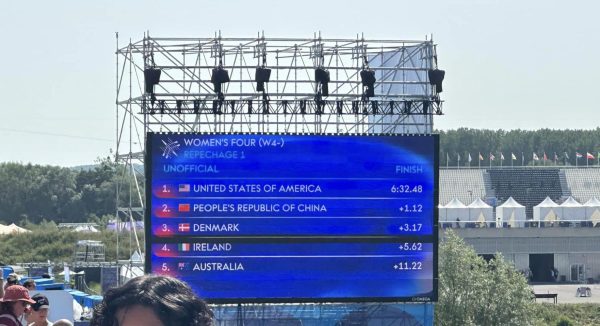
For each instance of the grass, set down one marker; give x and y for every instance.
(579, 314)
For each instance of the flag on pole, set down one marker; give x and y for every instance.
(501, 156)
(535, 157)
(589, 156)
(447, 159)
(480, 157)
(469, 157)
(458, 157)
(492, 157)
(577, 155)
(545, 157)
(566, 155)
(555, 158)
(514, 158)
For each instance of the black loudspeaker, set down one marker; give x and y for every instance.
(218, 77)
(368, 80)
(151, 78)
(261, 77)
(321, 75)
(368, 77)
(436, 77)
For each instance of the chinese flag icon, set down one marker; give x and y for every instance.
(184, 207)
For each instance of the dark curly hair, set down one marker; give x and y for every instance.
(171, 299)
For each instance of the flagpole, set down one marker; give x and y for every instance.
(522, 159)
(576, 159)
(447, 160)
(501, 159)
(479, 160)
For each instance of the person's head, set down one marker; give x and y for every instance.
(12, 279)
(40, 309)
(152, 300)
(62, 322)
(16, 300)
(29, 285)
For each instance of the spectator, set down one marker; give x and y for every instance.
(13, 305)
(1, 284)
(39, 312)
(63, 322)
(29, 284)
(152, 300)
(12, 279)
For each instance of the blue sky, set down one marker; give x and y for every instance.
(509, 64)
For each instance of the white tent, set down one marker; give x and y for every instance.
(572, 210)
(511, 212)
(442, 213)
(134, 269)
(546, 211)
(480, 212)
(13, 228)
(592, 210)
(456, 211)
(86, 229)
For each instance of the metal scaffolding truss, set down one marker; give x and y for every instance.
(185, 99)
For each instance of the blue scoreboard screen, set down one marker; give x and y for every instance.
(294, 218)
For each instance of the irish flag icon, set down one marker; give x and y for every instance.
(184, 247)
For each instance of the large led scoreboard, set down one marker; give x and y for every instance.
(294, 218)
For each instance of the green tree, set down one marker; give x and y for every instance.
(32, 193)
(475, 292)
